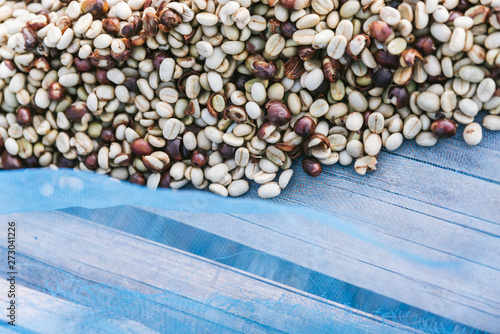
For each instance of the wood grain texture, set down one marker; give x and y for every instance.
(423, 229)
(101, 254)
(42, 313)
(452, 279)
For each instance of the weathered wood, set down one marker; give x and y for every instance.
(436, 281)
(423, 229)
(455, 155)
(107, 255)
(42, 313)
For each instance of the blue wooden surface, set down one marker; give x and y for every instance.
(93, 267)
(422, 230)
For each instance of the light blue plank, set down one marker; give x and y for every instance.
(141, 265)
(41, 313)
(427, 278)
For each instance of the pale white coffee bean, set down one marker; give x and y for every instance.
(253, 110)
(428, 101)
(242, 156)
(207, 19)
(276, 91)
(376, 122)
(322, 39)
(394, 141)
(319, 108)
(462, 118)
(426, 138)
(336, 47)
(105, 92)
(103, 41)
(153, 181)
(440, 14)
(197, 176)
(11, 146)
(322, 127)
(257, 23)
(42, 99)
(262, 177)
(285, 178)
(258, 92)
(274, 45)
(17, 82)
(177, 170)
(492, 41)
(167, 68)
(83, 24)
(233, 47)
(468, 107)
(457, 41)
(103, 157)
(53, 35)
(242, 130)
(473, 134)
(448, 101)
(232, 140)
(178, 184)
(430, 6)
(355, 148)
(464, 22)
(354, 121)
(268, 166)
(123, 11)
(164, 109)
(238, 188)
(172, 128)
(215, 81)
(337, 142)
(214, 134)
(169, 95)
(332, 159)
(205, 49)
(486, 89)
(189, 141)
(412, 126)
(314, 79)
(358, 102)
(304, 36)
(69, 80)
(218, 189)
(421, 16)
(269, 190)
(390, 15)
(349, 8)
(345, 158)
(307, 21)
(216, 59)
(492, 122)
(217, 172)
(116, 76)
(471, 73)
(62, 142)
(251, 169)
(373, 144)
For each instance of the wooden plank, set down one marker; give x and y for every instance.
(42, 313)
(109, 301)
(428, 184)
(459, 198)
(411, 219)
(141, 265)
(436, 281)
(455, 155)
